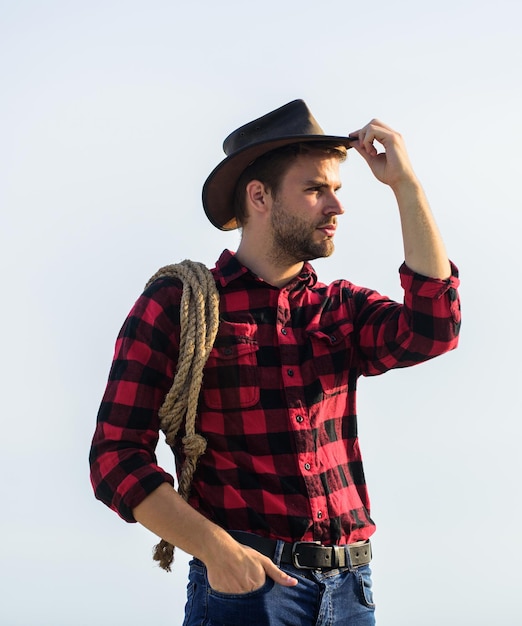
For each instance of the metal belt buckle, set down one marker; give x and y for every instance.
(295, 553)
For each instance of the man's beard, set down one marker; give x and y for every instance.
(293, 237)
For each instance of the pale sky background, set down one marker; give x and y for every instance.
(112, 114)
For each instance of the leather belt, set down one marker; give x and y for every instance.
(310, 554)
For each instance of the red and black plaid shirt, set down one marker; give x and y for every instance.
(278, 399)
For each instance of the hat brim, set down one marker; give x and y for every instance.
(219, 188)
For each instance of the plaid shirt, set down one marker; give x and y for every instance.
(278, 402)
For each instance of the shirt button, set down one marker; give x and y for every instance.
(283, 331)
(307, 466)
(299, 419)
(290, 372)
(319, 514)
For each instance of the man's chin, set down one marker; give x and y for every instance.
(321, 252)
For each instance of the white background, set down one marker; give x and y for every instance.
(111, 116)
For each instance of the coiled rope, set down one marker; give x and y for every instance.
(199, 322)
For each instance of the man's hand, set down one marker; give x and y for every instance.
(242, 570)
(392, 167)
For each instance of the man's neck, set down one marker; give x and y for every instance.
(271, 271)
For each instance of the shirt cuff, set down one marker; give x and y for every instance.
(139, 491)
(425, 286)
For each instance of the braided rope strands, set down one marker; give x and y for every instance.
(199, 321)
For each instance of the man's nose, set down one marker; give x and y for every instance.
(333, 205)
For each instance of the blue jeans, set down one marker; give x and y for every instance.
(329, 598)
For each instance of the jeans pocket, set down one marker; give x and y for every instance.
(238, 609)
(265, 588)
(364, 578)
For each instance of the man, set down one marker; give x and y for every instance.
(282, 468)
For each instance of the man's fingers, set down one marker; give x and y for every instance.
(390, 166)
(373, 131)
(278, 576)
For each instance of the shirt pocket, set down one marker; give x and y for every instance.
(332, 350)
(230, 379)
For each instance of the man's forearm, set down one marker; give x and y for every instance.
(424, 249)
(166, 514)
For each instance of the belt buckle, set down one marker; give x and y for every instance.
(295, 553)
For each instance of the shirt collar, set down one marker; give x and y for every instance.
(228, 269)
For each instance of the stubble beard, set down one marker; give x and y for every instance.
(293, 238)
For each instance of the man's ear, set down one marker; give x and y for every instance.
(258, 197)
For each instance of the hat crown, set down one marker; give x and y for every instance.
(292, 119)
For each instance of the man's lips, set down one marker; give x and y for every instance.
(328, 229)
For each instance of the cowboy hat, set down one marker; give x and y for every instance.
(291, 123)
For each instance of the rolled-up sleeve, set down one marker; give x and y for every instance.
(425, 325)
(123, 463)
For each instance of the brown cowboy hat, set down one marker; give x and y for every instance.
(291, 123)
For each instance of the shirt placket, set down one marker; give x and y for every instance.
(299, 415)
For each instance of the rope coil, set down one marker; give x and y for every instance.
(199, 322)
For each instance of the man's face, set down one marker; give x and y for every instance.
(304, 212)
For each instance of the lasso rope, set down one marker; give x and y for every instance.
(199, 321)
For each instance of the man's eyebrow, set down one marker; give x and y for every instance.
(319, 182)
